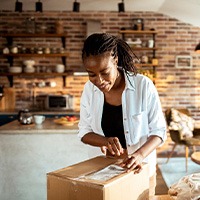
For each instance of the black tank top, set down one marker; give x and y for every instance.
(112, 122)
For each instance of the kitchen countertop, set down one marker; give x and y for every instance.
(44, 112)
(48, 126)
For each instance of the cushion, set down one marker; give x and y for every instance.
(188, 187)
(182, 123)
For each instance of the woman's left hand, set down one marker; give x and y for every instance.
(133, 162)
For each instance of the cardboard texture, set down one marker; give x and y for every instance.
(75, 183)
(161, 197)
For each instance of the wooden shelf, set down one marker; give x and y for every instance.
(10, 36)
(36, 55)
(143, 66)
(143, 48)
(36, 74)
(139, 65)
(33, 35)
(137, 32)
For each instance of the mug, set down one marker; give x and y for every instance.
(151, 43)
(39, 119)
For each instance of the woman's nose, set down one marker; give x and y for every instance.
(99, 80)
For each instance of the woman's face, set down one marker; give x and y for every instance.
(102, 71)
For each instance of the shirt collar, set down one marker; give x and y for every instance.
(129, 81)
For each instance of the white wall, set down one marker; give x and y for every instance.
(184, 10)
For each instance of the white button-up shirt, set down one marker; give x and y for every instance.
(142, 113)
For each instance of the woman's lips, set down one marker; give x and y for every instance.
(102, 87)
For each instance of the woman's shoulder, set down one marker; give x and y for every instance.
(139, 78)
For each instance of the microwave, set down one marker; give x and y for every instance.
(59, 102)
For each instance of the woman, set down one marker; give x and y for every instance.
(120, 110)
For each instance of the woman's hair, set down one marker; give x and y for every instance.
(99, 43)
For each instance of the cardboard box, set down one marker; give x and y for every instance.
(88, 181)
(161, 197)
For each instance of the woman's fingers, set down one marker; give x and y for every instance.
(114, 146)
(104, 149)
(132, 163)
(118, 145)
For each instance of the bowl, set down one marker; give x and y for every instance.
(29, 69)
(29, 62)
(15, 69)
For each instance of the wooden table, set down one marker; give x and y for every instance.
(195, 157)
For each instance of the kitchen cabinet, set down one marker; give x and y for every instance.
(11, 56)
(29, 152)
(6, 118)
(145, 49)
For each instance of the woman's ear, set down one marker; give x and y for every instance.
(116, 60)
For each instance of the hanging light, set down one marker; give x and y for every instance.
(38, 6)
(76, 6)
(197, 48)
(121, 7)
(18, 6)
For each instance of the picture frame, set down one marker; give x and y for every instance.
(183, 61)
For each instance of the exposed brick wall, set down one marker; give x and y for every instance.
(177, 87)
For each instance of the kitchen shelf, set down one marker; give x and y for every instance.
(36, 55)
(145, 34)
(10, 36)
(39, 74)
(140, 65)
(142, 32)
(144, 48)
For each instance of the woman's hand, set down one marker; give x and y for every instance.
(133, 162)
(113, 146)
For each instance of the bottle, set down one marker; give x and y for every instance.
(30, 25)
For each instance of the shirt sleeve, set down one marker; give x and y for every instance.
(85, 117)
(157, 122)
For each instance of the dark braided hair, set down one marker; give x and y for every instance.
(99, 43)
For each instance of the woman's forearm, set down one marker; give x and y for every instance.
(94, 139)
(152, 143)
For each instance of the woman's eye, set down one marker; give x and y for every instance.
(91, 75)
(106, 73)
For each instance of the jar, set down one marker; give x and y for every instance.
(145, 59)
(6, 50)
(155, 61)
(151, 43)
(14, 49)
(47, 50)
(59, 27)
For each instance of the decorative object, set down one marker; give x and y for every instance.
(38, 6)
(76, 6)
(30, 25)
(138, 24)
(18, 6)
(121, 7)
(182, 123)
(183, 62)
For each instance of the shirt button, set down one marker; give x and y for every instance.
(124, 118)
(126, 132)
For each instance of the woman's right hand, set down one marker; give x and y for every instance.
(113, 146)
